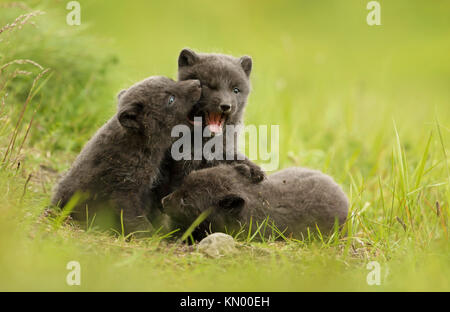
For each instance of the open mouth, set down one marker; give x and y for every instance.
(213, 121)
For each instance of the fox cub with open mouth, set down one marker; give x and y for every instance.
(225, 84)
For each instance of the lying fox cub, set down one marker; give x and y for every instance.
(294, 199)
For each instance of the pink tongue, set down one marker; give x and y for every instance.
(214, 124)
(215, 128)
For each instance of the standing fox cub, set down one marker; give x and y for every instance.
(295, 199)
(225, 88)
(117, 166)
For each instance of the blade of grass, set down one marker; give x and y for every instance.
(196, 223)
(421, 167)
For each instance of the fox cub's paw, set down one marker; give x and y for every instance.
(252, 172)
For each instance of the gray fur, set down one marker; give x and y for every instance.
(293, 198)
(121, 160)
(219, 74)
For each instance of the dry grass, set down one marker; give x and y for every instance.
(21, 21)
(18, 23)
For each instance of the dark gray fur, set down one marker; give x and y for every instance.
(294, 199)
(218, 74)
(116, 167)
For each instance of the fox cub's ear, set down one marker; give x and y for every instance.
(187, 58)
(246, 63)
(232, 202)
(129, 117)
(119, 95)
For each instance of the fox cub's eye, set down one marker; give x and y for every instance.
(171, 99)
(236, 90)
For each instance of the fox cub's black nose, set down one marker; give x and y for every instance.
(225, 108)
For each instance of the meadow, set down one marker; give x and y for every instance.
(368, 105)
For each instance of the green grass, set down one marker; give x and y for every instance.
(367, 105)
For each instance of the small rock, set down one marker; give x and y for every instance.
(217, 245)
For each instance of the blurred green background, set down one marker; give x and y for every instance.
(369, 105)
(320, 72)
